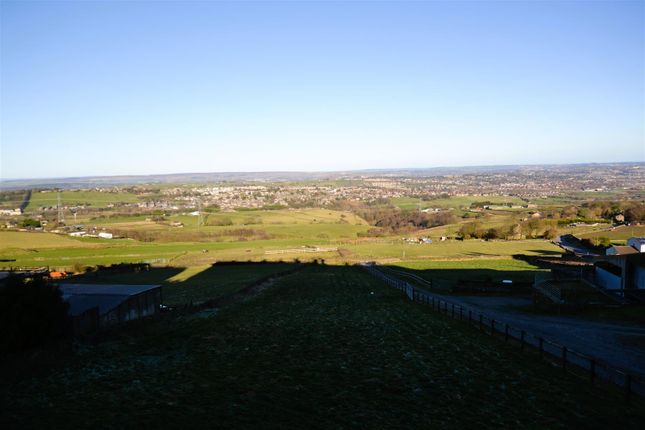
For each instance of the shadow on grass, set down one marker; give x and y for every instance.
(191, 285)
(470, 280)
(198, 284)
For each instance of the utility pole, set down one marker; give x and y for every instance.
(199, 213)
(61, 216)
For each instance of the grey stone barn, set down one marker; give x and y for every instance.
(94, 306)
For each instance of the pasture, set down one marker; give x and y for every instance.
(95, 199)
(319, 224)
(452, 249)
(325, 347)
(248, 235)
(447, 273)
(37, 240)
(621, 233)
(66, 252)
(453, 202)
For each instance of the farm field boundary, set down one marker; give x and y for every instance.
(571, 361)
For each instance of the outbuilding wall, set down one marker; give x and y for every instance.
(135, 307)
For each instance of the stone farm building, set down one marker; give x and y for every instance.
(95, 306)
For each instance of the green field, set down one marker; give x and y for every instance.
(328, 347)
(446, 274)
(95, 199)
(619, 233)
(37, 240)
(318, 224)
(66, 252)
(283, 235)
(453, 202)
(452, 249)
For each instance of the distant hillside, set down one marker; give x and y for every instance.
(179, 178)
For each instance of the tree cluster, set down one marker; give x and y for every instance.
(396, 220)
(30, 223)
(532, 228)
(31, 313)
(599, 211)
(635, 213)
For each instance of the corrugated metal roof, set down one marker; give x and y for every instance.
(82, 297)
(106, 289)
(81, 303)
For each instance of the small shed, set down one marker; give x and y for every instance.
(620, 250)
(111, 304)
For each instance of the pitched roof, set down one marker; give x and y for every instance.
(105, 289)
(82, 297)
(623, 250)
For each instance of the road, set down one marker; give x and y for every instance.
(619, 344)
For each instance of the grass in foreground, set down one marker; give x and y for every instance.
(328, 347)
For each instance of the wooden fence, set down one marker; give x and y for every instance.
(571, 361)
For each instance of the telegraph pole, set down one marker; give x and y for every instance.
(199, 213)
(61, 216)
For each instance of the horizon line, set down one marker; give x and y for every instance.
(374, 169)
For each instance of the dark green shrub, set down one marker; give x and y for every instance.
(31, 313)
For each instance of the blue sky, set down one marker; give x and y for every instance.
(103, 88)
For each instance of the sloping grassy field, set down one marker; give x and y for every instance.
(328, 347)
(446, 274)
(245, 235)
(619, 233)
(95, 199)
(453, 202)
(28, 240)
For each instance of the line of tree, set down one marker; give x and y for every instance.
(600, 210)
(530, 229)
(398, 220)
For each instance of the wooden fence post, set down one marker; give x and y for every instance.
(481, 322)
(470, 316)
(541, 342)
(492, 327)
(522, 334)
(461, 313)
(628, 387)
(453, 310)
(506, 333)
(592, 370)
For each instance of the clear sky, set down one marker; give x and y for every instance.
(102, 88)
